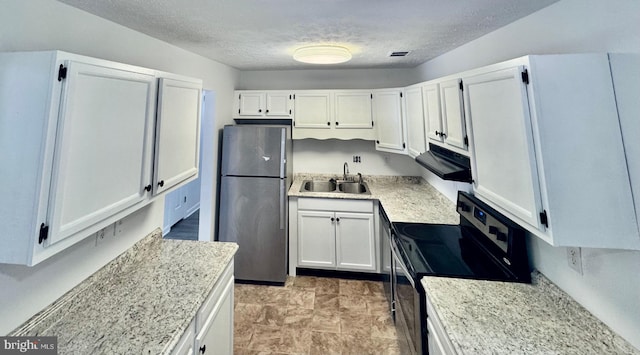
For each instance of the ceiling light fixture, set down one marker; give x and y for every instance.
(322, 54)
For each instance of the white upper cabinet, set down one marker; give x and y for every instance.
(325, 114)
(312, 110)
(452, 109)
(389, 121)
(432, 116)
(102, 163)
(177, 132)
(78, 144)
(262, 104)
(547, 150)
(353, 109)
(413, 108)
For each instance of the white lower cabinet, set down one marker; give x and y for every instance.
(212, 330)
(437, 339)
(336, 234)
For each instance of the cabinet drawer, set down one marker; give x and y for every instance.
(436, 327)
(336, 205)
(215, 294)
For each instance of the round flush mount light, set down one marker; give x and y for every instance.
(322, 54)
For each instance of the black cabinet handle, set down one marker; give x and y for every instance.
(161, 183)
(328, 123)
(148, 187)
(377, 142)
(203, 349)
(443, 135)
(332, 219)
(338, 219)
(437, 133)
(260, 110)
(337, 123)
(267, 111)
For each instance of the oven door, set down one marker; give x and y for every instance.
(387, 271)
(407, 305)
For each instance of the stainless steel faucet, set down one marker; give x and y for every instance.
(360, 178)
(345, 170)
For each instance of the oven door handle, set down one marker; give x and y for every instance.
(402, 266)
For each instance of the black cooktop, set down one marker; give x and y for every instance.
(446, 250)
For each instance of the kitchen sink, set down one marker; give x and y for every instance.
(353, 187)
(331, 186)
(318, 186)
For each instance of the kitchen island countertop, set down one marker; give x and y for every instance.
(139, 303)
(404, 199)
(490, 317)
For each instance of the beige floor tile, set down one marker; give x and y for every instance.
(273, 295)
(271, 315)
(265, 338)
(325, 321)
(295, 341)
(327, 303)
(304, 282)
(325, 344)
(298, 317)
(352, 303)
(242, 335)
(247, 313)
(244, 351)
(301, 298)
(327, 286)
(352, 287)
(356, 323)
(377, 306)
(382, 326)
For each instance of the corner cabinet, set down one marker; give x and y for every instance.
(547, 149)
(78, 147)
(414, 111)
(390, 123)
(335, 234)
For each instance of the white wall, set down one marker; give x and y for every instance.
(610, 284)
(325, 79)
(46, 25)
(328, 157)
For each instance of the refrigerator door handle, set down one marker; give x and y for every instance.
(283, 151)
(283, 201)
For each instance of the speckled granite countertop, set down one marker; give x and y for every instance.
(141, 302)
(404, 199)
(489, 317)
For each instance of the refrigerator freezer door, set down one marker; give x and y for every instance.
(253, 151)
(250, 211)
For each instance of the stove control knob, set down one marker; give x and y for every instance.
(493, 230)
(464, 207)
(501, 237)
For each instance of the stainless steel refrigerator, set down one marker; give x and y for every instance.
(256, 174)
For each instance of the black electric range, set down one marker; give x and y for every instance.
(485, 246)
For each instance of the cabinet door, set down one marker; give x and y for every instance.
(277, 104)
(177, 133)
(355, 242)
(432, 116)
(387, 115)
(102, 160)
(312, 110)
(453, 114)
(216, 335)
(251, 104)
(353, 110)
(503, 157)
(415, 121)
(185, 344)
(316, 239)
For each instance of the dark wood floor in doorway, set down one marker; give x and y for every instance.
(186, 229)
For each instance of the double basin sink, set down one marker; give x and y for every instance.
(333, 186)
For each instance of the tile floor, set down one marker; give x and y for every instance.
(313, 315)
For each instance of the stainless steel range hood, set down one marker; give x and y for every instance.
(448, 165)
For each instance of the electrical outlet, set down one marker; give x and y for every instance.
(574, 257)
(357, 159)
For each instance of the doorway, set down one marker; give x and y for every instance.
(188, 209)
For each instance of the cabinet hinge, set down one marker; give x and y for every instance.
(400, 95)
(404, 145)
(238, 111)
(62, 72)
(525, 76)
(294, 123)
(294, 96)
(460, 85)
(371, 96)
(289, 97)
(239, 96)
(544, 219)
(289, 111)
(44, 233)
(466, 140)
(371, 123)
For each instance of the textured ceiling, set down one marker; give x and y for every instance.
(262, 34)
